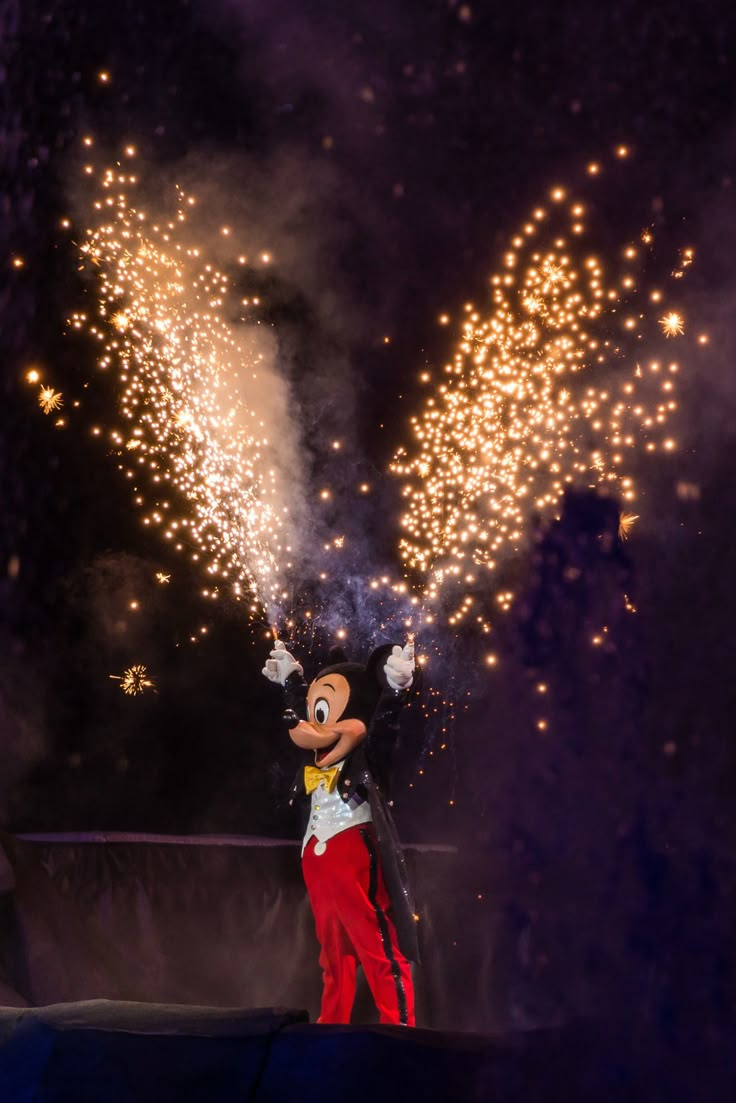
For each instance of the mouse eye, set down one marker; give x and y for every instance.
(321, 710)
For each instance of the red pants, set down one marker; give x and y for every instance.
(352, 914)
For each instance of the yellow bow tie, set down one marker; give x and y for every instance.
(313, 776)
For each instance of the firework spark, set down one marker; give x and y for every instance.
(672, 324)
(543, 392)
(134, 680)
(196, 451)
(626, 522)
(50, 400)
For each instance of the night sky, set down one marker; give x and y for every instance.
(384, 151)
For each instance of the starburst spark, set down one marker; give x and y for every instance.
(134, 680)
(543, 392)
(50, 400)
(672, 324)
(626, 522)
(191, 440)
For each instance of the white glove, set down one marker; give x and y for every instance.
(280, 664)
(399, 668)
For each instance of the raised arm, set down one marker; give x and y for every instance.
(283, 670)
(399, 673)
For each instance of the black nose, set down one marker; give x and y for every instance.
(290, 718)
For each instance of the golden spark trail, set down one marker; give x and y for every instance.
(543, 392)
(195, 450)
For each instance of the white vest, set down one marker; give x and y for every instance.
(330, 814)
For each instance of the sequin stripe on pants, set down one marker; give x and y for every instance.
(352, 915)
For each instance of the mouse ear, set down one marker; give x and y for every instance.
(336, 655)
(376, 662)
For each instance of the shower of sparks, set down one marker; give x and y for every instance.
(50, 400)
(543, 392)
(198, 456)
(134, 680)
(672, 324)
(687, 257)
(626, 522)
(162, 578)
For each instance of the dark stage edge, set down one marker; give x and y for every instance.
(117, 1052)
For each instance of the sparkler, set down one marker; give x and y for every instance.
(542, 393)
(189, 436)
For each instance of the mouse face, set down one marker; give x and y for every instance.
(341, 702)
(340, 705)
(331, 730)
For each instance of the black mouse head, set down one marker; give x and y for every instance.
(341, 699)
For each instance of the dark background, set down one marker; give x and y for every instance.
(389, 150)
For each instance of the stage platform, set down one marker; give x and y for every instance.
(183, 936)
(120, 1052)
(101, 1051)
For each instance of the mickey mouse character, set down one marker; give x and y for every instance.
(351, 858)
